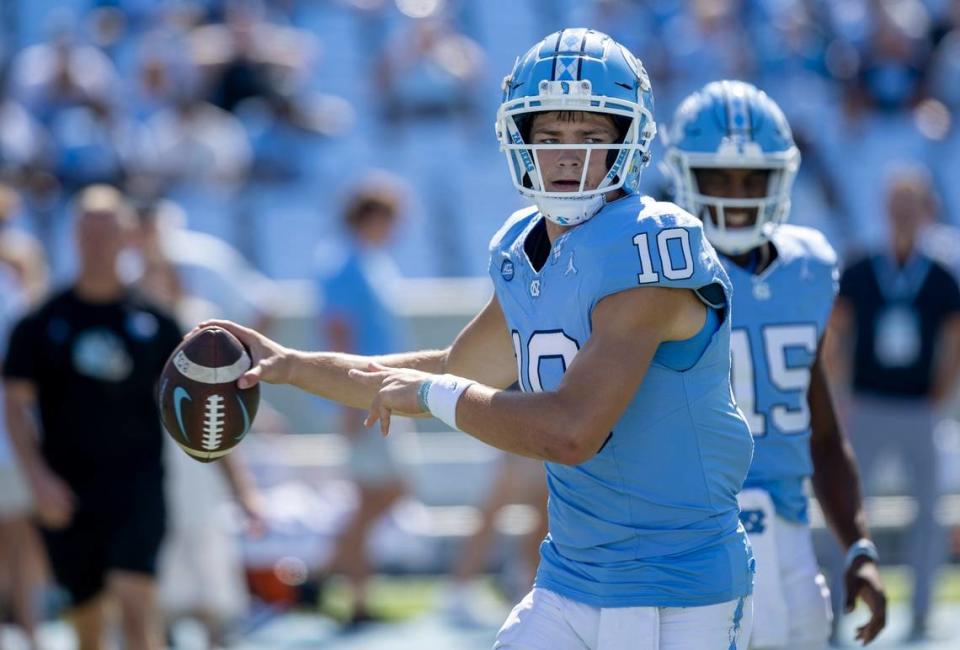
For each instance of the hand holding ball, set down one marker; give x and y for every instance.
(201, 406)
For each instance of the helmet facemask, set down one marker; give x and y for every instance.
(771, 210)
(623, 159)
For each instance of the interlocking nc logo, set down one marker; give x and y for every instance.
(506, 270)
(565, 87)
(535, 288)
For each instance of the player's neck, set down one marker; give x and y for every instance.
(903, 250)
(755, 260)
(98, 287)
(554, 230)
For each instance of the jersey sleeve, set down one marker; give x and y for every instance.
(504, 237)
(662, 246)
(819, 249)
(22, 360)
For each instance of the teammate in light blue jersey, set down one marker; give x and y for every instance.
(613, 312)
(732, 159)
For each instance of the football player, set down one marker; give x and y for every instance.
(732, 159)
(612, 311)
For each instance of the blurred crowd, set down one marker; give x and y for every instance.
(253, 116)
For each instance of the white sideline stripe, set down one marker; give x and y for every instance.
(206, 375)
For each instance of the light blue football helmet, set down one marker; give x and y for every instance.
(577, 70)
(732, 124)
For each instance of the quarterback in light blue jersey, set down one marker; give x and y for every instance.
(732, 159)
(613, 312)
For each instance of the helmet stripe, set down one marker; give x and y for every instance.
(738, 116)
(556, 50)
(583, 46)
(564, 67)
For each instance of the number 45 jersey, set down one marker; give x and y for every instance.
(652, 518)
(779, 317)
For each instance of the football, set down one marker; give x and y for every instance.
(201, 406)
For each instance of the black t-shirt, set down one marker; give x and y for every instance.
(95, 367)
(898, 313)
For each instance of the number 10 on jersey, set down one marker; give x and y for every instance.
(678, 266)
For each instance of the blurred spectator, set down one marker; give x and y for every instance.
(199, 155)
(24, 143)
(21, 563)
(287, 130)
(162, 72)
(940, 118)
(19, 251)
(355, 281)
(428, 79)
(87, 361)
(860, 146)
(518, 480)
(901, 308)
(107, 29)
(428, 71)
(894, 54)
(195, 143)
(62, 73)
(94, 144)
(200, 568)
(702, 42)
(196, 274)
(246, 56)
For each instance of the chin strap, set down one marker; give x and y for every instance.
(570, 212)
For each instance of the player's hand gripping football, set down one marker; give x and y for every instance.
(269, 358)
(862, 580)
(396, 392)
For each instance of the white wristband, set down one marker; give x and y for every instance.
(443, 395)
(860, 547)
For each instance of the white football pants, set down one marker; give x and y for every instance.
(545, 620)
(792, 602)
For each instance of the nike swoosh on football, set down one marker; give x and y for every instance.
(180, 394)
(246, 418)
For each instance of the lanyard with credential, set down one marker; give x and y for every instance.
(900, 285)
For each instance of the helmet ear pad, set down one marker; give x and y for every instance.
(623, 125)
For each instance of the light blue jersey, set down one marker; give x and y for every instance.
(652, 519)
(779, 317)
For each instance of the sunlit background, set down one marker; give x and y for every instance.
(249, 124)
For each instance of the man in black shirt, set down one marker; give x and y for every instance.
(899, 310)
(87, 361)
